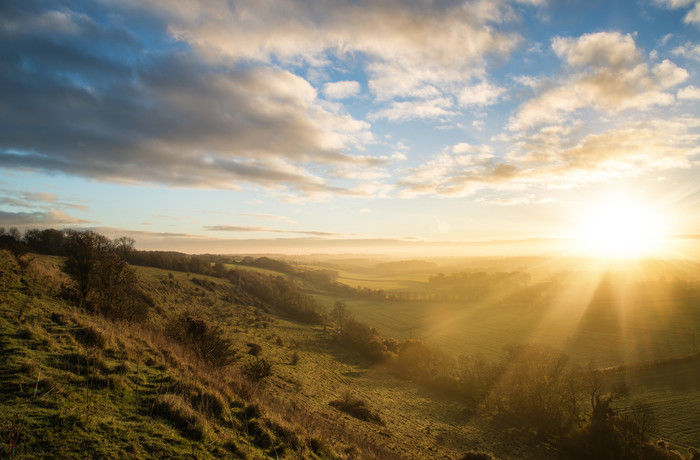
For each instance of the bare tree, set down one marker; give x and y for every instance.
(124, 246)
(340, 313)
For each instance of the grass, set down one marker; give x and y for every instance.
(84, 386)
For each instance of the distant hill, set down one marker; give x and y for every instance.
(406, 266)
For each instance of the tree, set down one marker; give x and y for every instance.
(124, 246)
(601, 400)
(115, 289)
(340, 313)
(84, 250)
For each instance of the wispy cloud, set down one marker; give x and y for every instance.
(41, 200)
(692, 16)
(559, 159)
(245, 229)
(341, 89)
(39, 218)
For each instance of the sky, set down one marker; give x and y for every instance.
(306, 126)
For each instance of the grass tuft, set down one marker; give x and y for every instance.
(175, 409)
(90, 336)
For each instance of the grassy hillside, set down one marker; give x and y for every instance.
(76, 384)
(79, 385)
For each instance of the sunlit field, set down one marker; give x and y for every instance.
(638, 317)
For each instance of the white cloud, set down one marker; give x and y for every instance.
(691, 93)
(667, 74)
(692, 17)
(409, 110)
(675, 3)
(606, 72)
(598, 50)
(688, 50)
(410, 49)
(480, 95)
(341, 89)
(558, 158)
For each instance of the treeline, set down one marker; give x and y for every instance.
(323, 279)
(104, 281)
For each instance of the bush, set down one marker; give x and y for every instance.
(257, 370)
(253, 348)
(206, 341)
(356, 407)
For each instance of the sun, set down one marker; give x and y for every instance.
(621, 229)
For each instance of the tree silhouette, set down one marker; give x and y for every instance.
(340, 314)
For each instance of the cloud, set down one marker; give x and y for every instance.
(688, 50)
(85, 98)
(32, 200)
(692, 17)
(516, 200)
(239, 228)
(416, 109)
(558, 158)
(389, 36)
(481, 95)
(606, 73)
(42, 219)
(691, 93)
(341, 89)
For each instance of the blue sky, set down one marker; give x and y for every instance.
(304, 126)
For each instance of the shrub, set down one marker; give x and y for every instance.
(258, 369)
(206, 341)
(356, 407)
(253, 348)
